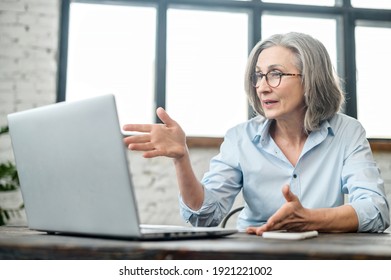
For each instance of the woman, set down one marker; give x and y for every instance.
(294, 162)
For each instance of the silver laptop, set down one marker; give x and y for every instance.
(74, 174)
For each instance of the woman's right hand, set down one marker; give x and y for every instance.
(167, 139)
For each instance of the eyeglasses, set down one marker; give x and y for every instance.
(273, 78)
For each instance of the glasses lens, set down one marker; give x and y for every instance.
(254, 79)
(273, 79)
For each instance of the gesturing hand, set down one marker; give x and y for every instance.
(167, 139)
(291, 216)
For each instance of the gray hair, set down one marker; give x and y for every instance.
(323, 94)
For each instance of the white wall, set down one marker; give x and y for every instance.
(29, 31)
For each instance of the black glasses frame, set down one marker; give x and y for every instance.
(257, 77)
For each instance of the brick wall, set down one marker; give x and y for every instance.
(28, 57)
(28, 74)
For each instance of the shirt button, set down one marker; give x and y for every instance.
(294, 176)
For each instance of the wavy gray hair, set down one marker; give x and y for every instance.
(322, 90)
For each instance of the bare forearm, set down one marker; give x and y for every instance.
(338, 219)
(293, 216)
(189, 186)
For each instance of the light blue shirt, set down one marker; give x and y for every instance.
(336, 160)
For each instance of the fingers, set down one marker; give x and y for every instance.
(288, 217)
(152, 154)
(251, 230)
(288, 195)
(275, 222)
(164, 117)
(278, 220)
(142, 138)
(166, 139)
(257, 230)
(268, 226)
(143, 147)
(142, 144)
(137, 127)
(138, 142)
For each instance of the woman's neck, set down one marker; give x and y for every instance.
(290, 137)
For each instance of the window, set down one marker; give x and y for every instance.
(189, 56)
(373, 4)
(304, 2)
(108, 53)
(325, 29)
(373, 94)
(205, 68)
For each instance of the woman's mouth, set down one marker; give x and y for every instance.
(269, 103)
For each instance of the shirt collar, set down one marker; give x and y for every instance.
(263, 136)
(326, 129)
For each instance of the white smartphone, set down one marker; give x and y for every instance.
(289, 235)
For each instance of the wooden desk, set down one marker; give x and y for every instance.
(22, 243)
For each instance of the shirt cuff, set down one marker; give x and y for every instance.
(370, 218)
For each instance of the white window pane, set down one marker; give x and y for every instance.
(108, 52)
(304, 2)
(372, 4)
(373, 62)
(322, 29)
(206, 56)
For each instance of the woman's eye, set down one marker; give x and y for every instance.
(275, 74)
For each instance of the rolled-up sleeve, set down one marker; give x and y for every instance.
(362, 179)
(208, 215)
(221, 184)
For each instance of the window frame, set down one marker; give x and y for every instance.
(348, 17)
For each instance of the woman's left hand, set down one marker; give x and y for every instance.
(291, 216)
